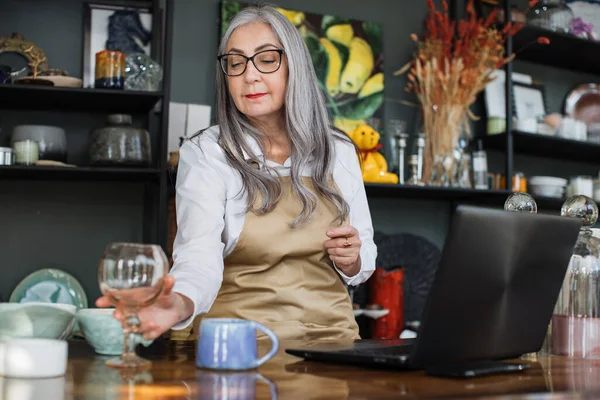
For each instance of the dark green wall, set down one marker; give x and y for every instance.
(66, 224)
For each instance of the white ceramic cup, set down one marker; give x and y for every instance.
(33, 358)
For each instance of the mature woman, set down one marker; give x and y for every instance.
(271, 208)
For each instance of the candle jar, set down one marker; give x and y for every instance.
(110, 70)
(26, 152)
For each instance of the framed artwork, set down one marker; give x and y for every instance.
(123, 27)
(347, 55)
(529, 101)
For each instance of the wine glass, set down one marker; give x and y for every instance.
(131, 275)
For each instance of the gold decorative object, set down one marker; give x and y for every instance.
(36, 60)
(35, 56)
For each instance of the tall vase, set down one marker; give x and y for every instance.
(443, 125)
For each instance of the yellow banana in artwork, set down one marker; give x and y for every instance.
(334, 67)
(359, 66)
(347, 125)
(295, 17)
(342, 34)
(373, 85)
(303, 31)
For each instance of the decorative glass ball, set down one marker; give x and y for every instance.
(582, 207)
(142, 73)
(521, 202)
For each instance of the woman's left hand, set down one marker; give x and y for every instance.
(344, 249)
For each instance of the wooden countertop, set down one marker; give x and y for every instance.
(174, 376)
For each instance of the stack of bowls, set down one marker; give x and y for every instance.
(547, 186)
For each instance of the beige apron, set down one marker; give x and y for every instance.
(283, 278)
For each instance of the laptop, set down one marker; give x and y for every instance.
(492, 298)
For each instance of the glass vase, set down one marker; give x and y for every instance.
(443, 125)
(575, 327)
(443, 171)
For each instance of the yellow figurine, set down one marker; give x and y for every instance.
(373, 165)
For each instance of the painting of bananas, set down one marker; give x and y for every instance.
(348, 59)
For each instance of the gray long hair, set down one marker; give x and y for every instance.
(307, 122)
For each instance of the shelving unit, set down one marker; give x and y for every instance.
(150, 107)
(45, 173)
(37, 97)
(398, 191)
(548, 146)
(565, 52)
(436, 193)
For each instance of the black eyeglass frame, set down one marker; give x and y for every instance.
(280, 51)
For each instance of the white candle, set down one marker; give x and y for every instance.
(26, 152)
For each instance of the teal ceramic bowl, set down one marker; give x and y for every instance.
(102, 331)
(36, 320)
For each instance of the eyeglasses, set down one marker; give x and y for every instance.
(266, 62)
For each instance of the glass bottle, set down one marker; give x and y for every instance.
(576, 320)
(480, 167)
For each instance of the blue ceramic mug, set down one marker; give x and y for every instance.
(230, 344)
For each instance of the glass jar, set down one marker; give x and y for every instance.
(119, 143)
(575, 328)
(519, 182)
(553, 15)
(26, 152)
(110, 70)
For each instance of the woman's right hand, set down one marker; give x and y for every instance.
(168, 309)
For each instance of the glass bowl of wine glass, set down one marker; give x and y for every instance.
(131, 275)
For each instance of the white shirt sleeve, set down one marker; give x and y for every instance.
(198, 246)
(360, 218)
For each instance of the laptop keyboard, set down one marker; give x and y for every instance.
(380, 351)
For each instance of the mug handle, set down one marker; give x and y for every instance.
(274, 341)
(272, 386)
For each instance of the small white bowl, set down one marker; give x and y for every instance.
(33, 358)
(548, 186)
(36, 320)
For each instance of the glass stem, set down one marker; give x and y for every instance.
(131, 333)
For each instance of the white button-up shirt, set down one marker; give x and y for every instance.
(211, 207)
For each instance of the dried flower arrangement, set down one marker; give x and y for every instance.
(455, 60)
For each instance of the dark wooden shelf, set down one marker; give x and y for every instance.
(436, 193)
(16, 172)
(546, 146)
(564, 51)
(408, 191)
(33, 97)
